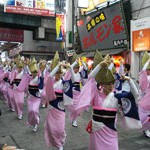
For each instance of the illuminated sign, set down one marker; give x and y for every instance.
(140, 37)
(31, 7)
(103, 29)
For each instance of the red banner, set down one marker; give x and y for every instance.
(29, 11)
(11, 35)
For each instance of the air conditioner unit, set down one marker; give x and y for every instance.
(40, 33)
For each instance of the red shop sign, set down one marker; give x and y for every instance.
(29, 11)
(11, 35)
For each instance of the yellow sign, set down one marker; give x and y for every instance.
(92, 5)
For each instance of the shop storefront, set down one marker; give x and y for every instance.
(140, 42)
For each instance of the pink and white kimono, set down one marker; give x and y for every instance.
(77, 79)
(10, 102)
(54, 127)
(33, 101)
(102, 127)
(144, 97)
(103, 135)
(4, 83)
(20, 84)
(42, 75)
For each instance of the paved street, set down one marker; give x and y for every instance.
(16, 132)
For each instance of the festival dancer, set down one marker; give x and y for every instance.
(42, 73)
(78, 75)
(144, 94)
(34, 97)
(54, 127)
(19, 87)
(102, 127)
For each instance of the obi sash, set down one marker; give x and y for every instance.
(76, 86)
(34, 90)
(41, 84)
(6, 80)
(16, 81)
(84, 74)
(58, 102)
(105, 115)
(118, 82)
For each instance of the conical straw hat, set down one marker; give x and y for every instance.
(33, 66)
(20, 64)
(42, 64)
(75, 56)
(107, 57)
(145, 58)
(17, 59)
(105, 76)
(97, 58)
(55, 61)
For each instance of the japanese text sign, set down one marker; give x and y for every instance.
(102, 29)
(11, 35)
(31, 7)
(140, 37)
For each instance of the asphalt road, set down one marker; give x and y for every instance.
(16, 132)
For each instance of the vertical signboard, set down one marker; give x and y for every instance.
(140, 37)
(103, 29)
(60, 27)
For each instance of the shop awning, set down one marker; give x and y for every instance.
(103, 52)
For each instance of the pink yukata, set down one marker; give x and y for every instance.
(4, 84)
(33, 101)
(102, 127)
(10, 102)
(54, 127)
(20, 84)
(77, 79)
(144, 98)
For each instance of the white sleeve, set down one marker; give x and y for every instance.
(145, 66)
(95, 71)
(84, 65)
(121, 69)
(54, 71)
(134, 89)
(28, 70)
(74, 64)
(72, 71)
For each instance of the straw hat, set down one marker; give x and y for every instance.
(145, 58)
(17, 59)
(56, 61)
(97, 58)
(20, 64)
(105, 75)
(42, 64)
(33, 66)
(75, 56)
